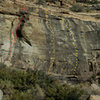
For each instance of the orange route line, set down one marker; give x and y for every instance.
(13, 41)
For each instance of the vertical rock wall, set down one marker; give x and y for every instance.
(77, 43)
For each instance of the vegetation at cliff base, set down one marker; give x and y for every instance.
(34, 85)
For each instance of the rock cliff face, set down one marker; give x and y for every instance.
(63, 43)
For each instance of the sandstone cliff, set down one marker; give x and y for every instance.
(63, 42)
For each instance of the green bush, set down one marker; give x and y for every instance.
(2, 65)
(94, 77)
(94, 2)
(22, 96)
(29, 85)
(88, 1)
(76, 8)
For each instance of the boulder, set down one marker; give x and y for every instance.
(1, 94)
(95, 87)
(94, 97)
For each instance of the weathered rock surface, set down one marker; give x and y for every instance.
(95, 87)
(79, 48)
(94, 97)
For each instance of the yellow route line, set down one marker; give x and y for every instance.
(74, 41)
(52, 42)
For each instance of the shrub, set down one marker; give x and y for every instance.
(22, 96)
(88, 1)
(96, 7)
(2, 65)
(97, 17)
(27, 85)
(94, 2)
(7, 87)
(94, 77)
(76, 8)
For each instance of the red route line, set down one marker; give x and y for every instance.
(9, 54)
(13, 41)
(24, 9)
